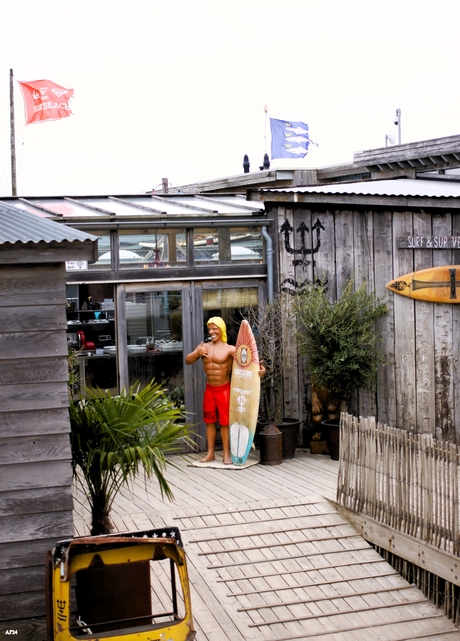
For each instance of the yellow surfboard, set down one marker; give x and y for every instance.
(244, 395)
(435, 284)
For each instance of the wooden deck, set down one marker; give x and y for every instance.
(270, 558)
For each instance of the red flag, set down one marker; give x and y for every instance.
(45, 100)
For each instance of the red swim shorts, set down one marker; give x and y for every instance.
(216, 404)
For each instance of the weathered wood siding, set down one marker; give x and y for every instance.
(35, 469)
(419, 386)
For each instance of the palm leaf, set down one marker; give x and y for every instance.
(113, 438)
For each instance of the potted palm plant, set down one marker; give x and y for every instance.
(114, 437)
(339, 341)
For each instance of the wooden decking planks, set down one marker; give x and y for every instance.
(270, 558)
(292, 578)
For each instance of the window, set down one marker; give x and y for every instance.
(91, 332)
(103, 250)
(227, 246)
(152, 248)
(231, 305)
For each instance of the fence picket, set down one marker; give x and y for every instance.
(407, 481)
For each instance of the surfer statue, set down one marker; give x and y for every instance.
(217, 357)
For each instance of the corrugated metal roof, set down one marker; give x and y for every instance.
(396, 187)
(24, 227)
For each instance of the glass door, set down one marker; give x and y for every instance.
(232, 304)
(154, 339)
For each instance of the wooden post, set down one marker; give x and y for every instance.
(12, 138)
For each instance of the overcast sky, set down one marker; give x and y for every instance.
(177, 88)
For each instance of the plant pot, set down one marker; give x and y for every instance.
(289, 429)
(331, 429)
(271, 449)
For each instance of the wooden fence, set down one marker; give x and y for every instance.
(407, 484)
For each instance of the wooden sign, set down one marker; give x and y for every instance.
(429, 242)
(436, 284)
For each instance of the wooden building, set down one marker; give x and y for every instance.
(35, 471)
(404, 217)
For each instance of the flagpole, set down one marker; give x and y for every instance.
(12, 138)
(265, 134)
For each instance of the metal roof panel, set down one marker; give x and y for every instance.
(25, 227)
(395, 187)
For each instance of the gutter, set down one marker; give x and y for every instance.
(269, 254)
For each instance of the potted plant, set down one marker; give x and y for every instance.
(339, 341)
(113, 437)
(270, 326)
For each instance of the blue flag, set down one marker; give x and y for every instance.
(289, 139)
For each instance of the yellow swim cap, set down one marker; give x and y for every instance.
(217, 320)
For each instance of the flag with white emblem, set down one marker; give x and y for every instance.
(289, 139)
(45, 100)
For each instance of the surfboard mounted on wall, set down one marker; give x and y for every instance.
(435, 284)
(244, 395)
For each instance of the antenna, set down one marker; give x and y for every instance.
(397, 121)
(390, 138)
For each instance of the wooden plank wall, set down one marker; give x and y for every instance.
(419, 386)
(35, 470)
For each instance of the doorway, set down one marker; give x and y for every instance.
(165, 322)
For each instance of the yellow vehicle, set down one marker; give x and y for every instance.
(120, 587)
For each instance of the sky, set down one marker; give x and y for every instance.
(176, 89)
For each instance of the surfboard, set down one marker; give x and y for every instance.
(244, 394)
(435, 284)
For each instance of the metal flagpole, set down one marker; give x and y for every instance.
(266, 119)
(12, 138)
